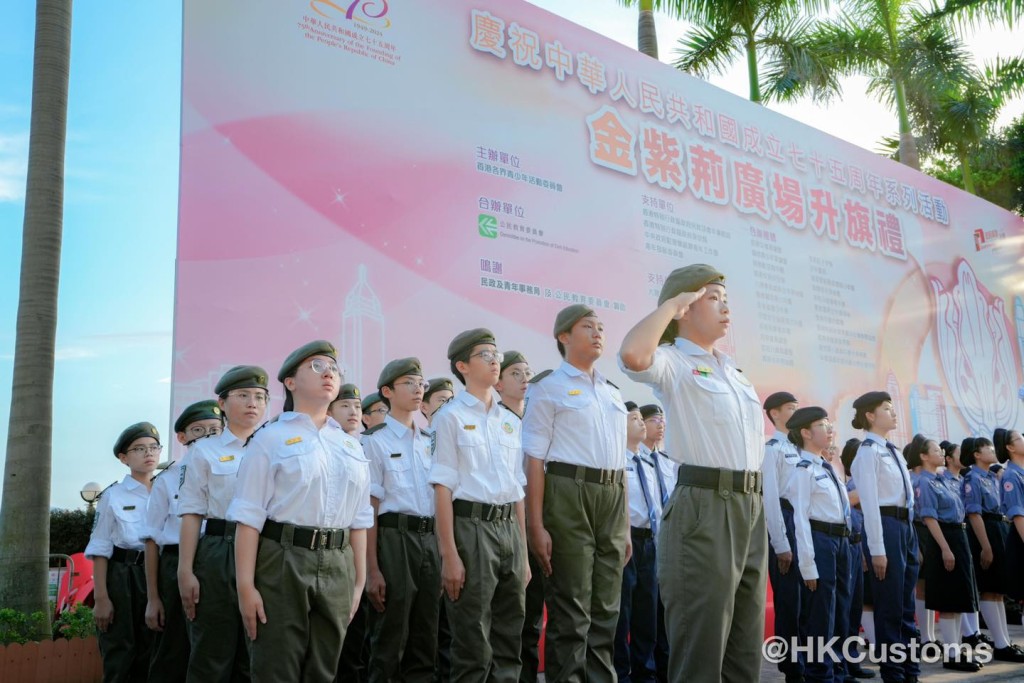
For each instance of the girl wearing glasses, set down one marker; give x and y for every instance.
(116, 550)
(302, 507)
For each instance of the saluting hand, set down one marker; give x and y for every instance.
(540, 546)
(188, 588)
(683, 301)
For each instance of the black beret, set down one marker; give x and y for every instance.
(511, 358)
(968, 446)
(242, 377)
(347, 391)
(871, 400)
(320, 347)
(850, 449)
(1001, 437)
(369, 400)
(779, 399)
(399, 367)
(994, 468)
(630, 407)
(651, 409)
(203, 410)
(569, 316)
(803, 417)
(135, 431)
(465, 341)
(438, 384)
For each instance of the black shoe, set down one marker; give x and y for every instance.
(854, 671)
(794, 678)
(960, 665)
(1008, 654)
(972, 640)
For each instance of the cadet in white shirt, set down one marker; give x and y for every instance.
(164, 612)
(822, 528)
(302, 506)
(116, 549)
(574, 436)
(712, 554)
(780, 458)
(206, 565)
(402, 564)
(347, 410)
(478, 482)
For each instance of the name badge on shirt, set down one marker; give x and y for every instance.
(469, 428)
(396, 455)
(293, 440)
(703, 371)
(128, 507)
(226, 458)
(575, 392)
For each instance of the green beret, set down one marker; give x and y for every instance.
(650, 410)
(511, 358)
(242, 377)
(320, 347)
(438, 384)
(399, 368)
(136, 431)
(804, 417)
(569, 316)
(203, 410)
(369, 400)
(347, 391)
(688, 279)
(465, 341)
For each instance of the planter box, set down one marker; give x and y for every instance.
(52, 661)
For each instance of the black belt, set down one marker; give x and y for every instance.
(856, 538)
(952, 525)
(483, 511)
(581, 473)
(396, 520)
(899, 512)
(738, 481)
(840, 530)
(171, 548)
(305, 536)
(786, 505)
(219, 527)
(128, 556)
(641, 533)
(994, 516)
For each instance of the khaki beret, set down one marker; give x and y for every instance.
(201, 410)
(320, 347)
(135, 431)
(569, 316)
(511, 358)
(369, 400)
(399, 367)
(242, 377)
(347, 391)
(688, 279)
(465, 341)
(438, 384)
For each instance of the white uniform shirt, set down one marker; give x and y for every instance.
(211, 475)
(120, 519)
(574, 419)
(779, 460)
(712, 413)
(816, 495)
(163, 524)
(294, 473)
(400, 460)
(478, 455)
(881, 478)
(639, 513)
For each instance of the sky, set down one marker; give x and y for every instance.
(116, 305)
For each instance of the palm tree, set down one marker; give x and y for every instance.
(646, 36)
(24, 515)
(891, 42)
(1003, 11)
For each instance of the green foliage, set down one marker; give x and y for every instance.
(18, 627)
(70, 530)
(76, 622)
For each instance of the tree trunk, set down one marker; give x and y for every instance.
(752, 75)
(646, 37)
(965, 171)
(908, 145)
(25, 514)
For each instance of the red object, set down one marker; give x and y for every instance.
(543, 637)
(769, 612)
(82, 584)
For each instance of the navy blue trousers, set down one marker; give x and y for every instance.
(787, 590)
(894, 597)
(827, 607)
(637, 630)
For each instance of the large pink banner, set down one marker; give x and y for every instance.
(387, 174)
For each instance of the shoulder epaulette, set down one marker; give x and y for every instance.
(540, 376)
(374, 429)
(612, 384)
(424, 432)
(804, 463)
(100, 494)
(772, 442)
(257, 430)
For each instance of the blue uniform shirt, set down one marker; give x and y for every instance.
(955, 483)
(937, 500)
(981, 491)
(1013, 491)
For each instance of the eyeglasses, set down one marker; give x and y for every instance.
(146, 450)
(197, 432)
(490, 356)
(413, 384)
(522, 375)
(260, 398)
(656, 420)
(321, 366)
(378, 411)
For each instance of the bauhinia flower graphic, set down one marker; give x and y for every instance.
(976, 351)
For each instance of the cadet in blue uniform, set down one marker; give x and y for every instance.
(924, 617)
(858, 612)
(953, 476)
(164, 612)
(987, 531)
(1009, 447)
(780, 457)
(637, 631)
(948, 567)
(116, 550)
(821, 519)
(887, 501)
(667, 470)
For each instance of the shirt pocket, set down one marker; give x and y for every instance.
(223, 479)
(510, 447)
(398, 473)
(130, 519)
(712, 398)
(472, 451)
(296, 466)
